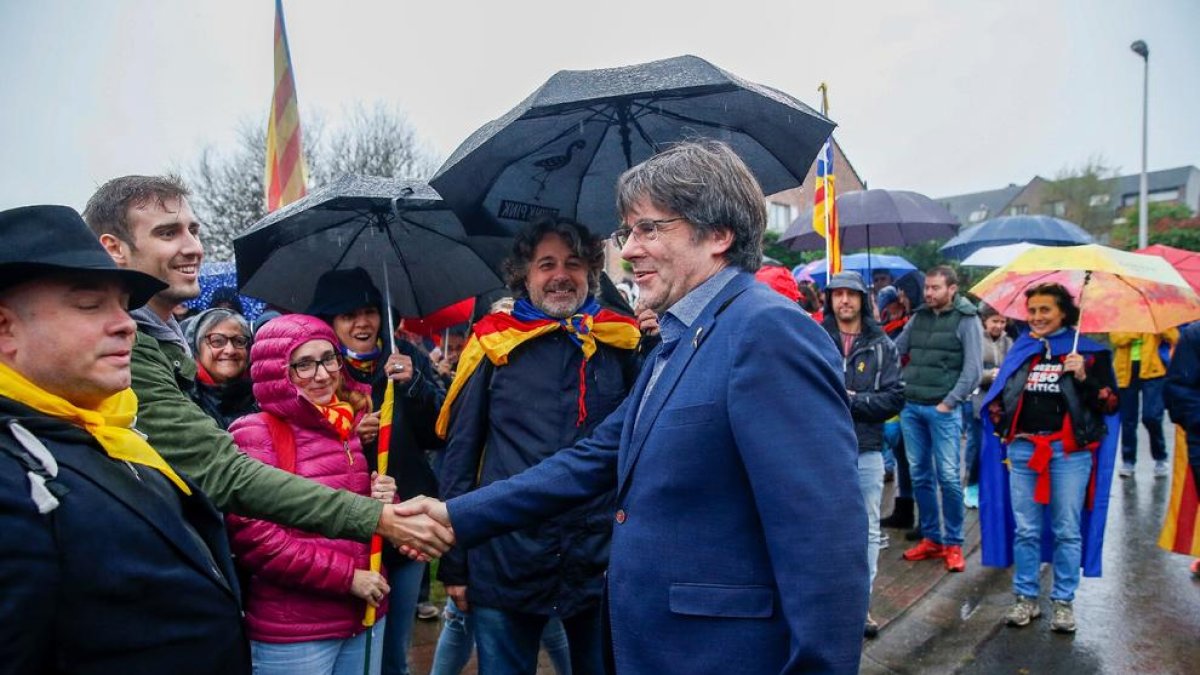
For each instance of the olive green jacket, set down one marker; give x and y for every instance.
(193, 443)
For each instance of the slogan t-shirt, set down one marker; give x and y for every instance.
(1043, 405)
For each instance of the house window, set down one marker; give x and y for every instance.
(1099, 200)
(779, 216)
(1057, 208)
(978, 214)
(1018, 210)
(1168, 195)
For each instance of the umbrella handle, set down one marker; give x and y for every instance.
(1079, 324)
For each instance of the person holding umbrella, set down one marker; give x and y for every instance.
(1052, 405)
(306, 595)
(353, 307)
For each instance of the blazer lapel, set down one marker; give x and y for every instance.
(690, 343)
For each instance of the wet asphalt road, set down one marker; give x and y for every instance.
(1142, 616)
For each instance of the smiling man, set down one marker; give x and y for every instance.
(739, 535)
(110, 560)
(146, 224)
(532, 382)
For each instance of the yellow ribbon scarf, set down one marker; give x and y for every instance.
(111, 423)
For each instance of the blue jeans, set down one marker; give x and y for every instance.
(893, 440)
(1069, 475)
(458, 639)
(1152, 415)
(870, 482)
(932, 441)
(318, 657)
(973, 428)
(508, 641)
(405, 579)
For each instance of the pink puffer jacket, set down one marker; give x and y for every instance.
(300, 589)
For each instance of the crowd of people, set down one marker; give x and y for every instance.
(663, 485)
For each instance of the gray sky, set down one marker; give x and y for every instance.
(940, 97)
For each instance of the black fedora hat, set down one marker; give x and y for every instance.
(40, 240)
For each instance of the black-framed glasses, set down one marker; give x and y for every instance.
(642, 230)
(306, 369)
(219, 340)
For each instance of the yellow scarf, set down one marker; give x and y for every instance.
(111, 423)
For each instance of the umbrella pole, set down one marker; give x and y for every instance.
(387, 309)
(1079, 325)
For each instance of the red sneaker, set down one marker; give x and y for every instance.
(954, 559)
(926, 550)
(1196, 568)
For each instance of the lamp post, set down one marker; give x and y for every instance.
(1139, 47)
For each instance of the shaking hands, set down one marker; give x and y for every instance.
(419, 528)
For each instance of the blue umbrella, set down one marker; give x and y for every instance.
(1043, 230)
(214, 275)
(862, 263)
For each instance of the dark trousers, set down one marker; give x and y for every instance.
(1151, 395)
(508, 641)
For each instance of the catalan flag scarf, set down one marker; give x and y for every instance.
(496, 335)
(339, 415)
(110, 423)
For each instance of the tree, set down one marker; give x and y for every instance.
(1085, 192)
(227, 185)
(1171, 224)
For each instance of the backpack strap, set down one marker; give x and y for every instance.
(282, 440)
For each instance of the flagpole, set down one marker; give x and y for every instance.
(824, 89)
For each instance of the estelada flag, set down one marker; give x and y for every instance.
(286, 178)
(1181, 527)
(825, 220)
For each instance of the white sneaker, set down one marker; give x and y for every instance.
(1161, 468)
(1126, 470)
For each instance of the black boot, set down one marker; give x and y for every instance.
(902, 514)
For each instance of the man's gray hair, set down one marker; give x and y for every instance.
(711, 187)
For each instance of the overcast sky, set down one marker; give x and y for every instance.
(940, 97)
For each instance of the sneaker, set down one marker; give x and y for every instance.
(1161, 468)
(427, 611)
(926, 550)
(1196, 568)
(1064, 617)
(1126, 470)
(971, 497)
(871, 629)
(1022, 612)
(954, 559)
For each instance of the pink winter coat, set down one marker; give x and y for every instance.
(300, 588)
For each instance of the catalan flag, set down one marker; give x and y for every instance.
(825, 221)
(1181, 527)
(385, 442)
(286, 176)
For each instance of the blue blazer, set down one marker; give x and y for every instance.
(740, 536)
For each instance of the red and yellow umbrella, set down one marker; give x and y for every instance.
(1116, 290)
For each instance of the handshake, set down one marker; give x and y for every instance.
(419, 528)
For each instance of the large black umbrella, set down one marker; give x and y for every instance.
(560, 151)
(869, 218)
(1034, 229)
(399, 231)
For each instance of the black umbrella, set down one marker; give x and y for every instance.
(560, 151)
(1034, 229)
(869, 218)
(399, 231)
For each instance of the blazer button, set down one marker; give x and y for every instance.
(620, 516)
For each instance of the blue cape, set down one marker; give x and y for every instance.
(995, 504)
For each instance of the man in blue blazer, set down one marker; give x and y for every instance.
(739, 534)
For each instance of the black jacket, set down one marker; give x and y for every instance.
(1084, 402)
(872, 373)
(126, 575)
(506, 420)
(226, 402)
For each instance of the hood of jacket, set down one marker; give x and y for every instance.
(870, 327)
(269, 359)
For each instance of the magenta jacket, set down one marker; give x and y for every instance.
(300, 588)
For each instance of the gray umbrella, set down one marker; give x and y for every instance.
(399, 231)
(560, 151)
(877, 218)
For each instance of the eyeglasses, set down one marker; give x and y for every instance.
(218, 341)
(307, 368)
(642, 230)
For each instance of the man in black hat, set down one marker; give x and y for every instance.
(110, 560)
(146, 224)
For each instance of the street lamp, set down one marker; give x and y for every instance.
(1139, 47)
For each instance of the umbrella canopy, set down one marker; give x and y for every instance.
(400, 232)
(1187, 263)
(996, 256)
(877, 218)
(1043, 230)
(1124, 292)
(560, 151)
(214, 275)
(863, 263)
